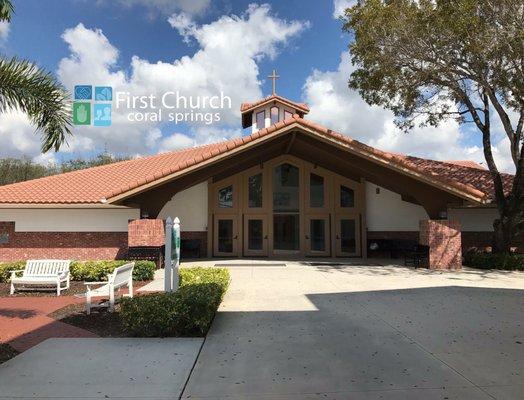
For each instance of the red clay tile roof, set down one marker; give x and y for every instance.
(463, 171)
(245, 107)
(466, 163)
(94, 185)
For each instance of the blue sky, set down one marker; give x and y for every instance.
(201, 47)
(136, 30)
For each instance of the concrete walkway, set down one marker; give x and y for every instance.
(124, 368)
(355, 332)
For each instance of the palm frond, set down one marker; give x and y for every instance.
(36, 92)
(6, 10)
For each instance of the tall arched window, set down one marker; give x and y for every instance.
(274, 112)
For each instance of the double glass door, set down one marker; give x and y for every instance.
(255, 235)
(347, 235)
(226, 236)
(318, 235)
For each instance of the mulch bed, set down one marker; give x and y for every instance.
(74, 288)
(100, 321)
(6, 352)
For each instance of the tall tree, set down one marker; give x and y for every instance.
(430, 60)
(35, 92)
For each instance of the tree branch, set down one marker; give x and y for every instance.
(488, 154)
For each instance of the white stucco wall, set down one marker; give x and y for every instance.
(69, 219)
(474, 219)
(387, 211)
(190, 206)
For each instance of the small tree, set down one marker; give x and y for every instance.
(429, 60)
(35, 92)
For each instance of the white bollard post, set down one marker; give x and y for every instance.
(168, 262)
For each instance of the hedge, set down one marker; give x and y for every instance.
(90, 270)
(187, 312)
(6, 268)
(501, 261)
(98, 270)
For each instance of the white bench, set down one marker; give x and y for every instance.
(41, 274)
(121, 276)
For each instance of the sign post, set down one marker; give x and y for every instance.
(168, 263)
(176, 237)
(172, 255)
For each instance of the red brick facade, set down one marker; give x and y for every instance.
(114, 245)
(66, 245)
(84, 245)
(445, 243)
(146, 233)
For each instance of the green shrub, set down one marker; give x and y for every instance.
(144, 270)
(149, 316)
(6, 268)
(191, 276)
(195, 307)
(90, 270)
(503, 261)
(189, 311)
(98, 270)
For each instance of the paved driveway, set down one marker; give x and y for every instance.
(307, 332)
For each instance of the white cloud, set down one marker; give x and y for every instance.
(226, 60)
(334, 105)
(4, 31)
(176, 141)
(168, 7)
(339, 6)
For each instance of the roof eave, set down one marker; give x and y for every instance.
(460, 190)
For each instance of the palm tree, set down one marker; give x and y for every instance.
(36, 92)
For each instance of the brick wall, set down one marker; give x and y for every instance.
(78, 245)
(67, 245)
(146, 233)
(445, 242)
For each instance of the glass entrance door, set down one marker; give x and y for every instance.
(255, 235)
(317, 237)
(225, 236)
(347, 231)
(286, 231)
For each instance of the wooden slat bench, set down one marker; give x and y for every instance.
(42, 274)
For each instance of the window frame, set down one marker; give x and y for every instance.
(271, 114)
(353, 185)
(263, 112)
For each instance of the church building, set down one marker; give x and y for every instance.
(290, 189)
